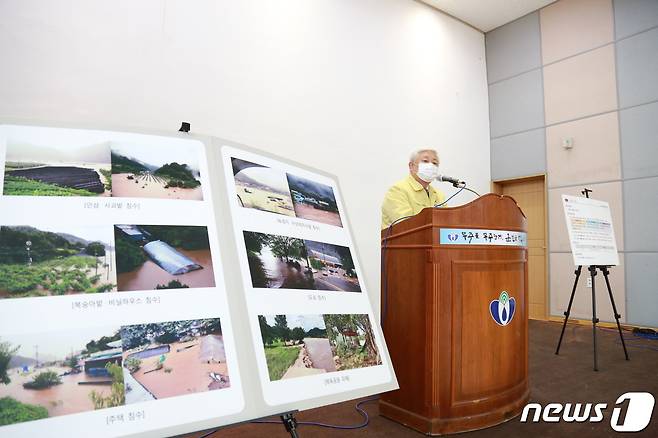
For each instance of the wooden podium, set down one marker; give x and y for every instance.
(458, 369)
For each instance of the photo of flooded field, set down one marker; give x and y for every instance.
(56, 260)
(151, 171)
(150, 257)
(54, 162)
(59, 373)
(281, 262)
(261, 187)
(306, 345)
(173, 358)
(314, 201)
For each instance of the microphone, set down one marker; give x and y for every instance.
(454, 181)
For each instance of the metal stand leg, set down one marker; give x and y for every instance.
(568, 312)
(592, 271)
(606, 272)
(290, 423)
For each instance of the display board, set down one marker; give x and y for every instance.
(592, 236)
(158, 284)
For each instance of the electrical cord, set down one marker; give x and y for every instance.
(357, 407)
(461, 188)
(471, 190)
(639, 335)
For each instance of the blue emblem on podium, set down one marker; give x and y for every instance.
(502, 309)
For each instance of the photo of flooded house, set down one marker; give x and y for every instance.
(55, 162)
(173, 358)
(156, 171)
(163, 257)
(314, 201)
(282, 262)
(56, 260)
(261, 187)
(59, 373)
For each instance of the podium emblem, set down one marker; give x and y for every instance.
(502, 309)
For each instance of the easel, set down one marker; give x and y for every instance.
(290, 423)
(592, 270)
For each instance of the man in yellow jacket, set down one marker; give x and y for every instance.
(410, 195)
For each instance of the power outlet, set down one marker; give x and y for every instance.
(589, 282)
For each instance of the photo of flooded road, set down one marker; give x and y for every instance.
(281, 262)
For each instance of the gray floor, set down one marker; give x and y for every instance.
(565, 378)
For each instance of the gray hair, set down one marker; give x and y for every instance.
(414, 155)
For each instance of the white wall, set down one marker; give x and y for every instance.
(349, 86)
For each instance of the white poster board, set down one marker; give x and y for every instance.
(298, 261)
(127, 304)
(591, 232)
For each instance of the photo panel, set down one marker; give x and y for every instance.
(313, 201)
(152, 171)
(37, 261)
(261, 187)
(56, 373)
(45, 161)
(282, 262)
(54, 162)
(174, 358)
(154, 257)
(306, 345)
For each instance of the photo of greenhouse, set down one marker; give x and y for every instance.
(163, 257)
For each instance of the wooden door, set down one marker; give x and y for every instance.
(530, 195)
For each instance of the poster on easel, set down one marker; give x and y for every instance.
(592, 236)
(112, 296)
(151, 285)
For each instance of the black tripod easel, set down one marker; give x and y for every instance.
(592, 271)
(290, 423)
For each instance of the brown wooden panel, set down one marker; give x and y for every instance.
(456, 371)
(485, 360)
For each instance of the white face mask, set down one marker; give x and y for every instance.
(427, 171)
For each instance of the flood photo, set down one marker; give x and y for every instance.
(281, 262)
(169, 359)
(56, 260)
(152, 171)
(295, 346)
(55, 162)
(59, 373)
(153, 257)
(314, 201)
(352, 341)
(305, 345)
(261, 187)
